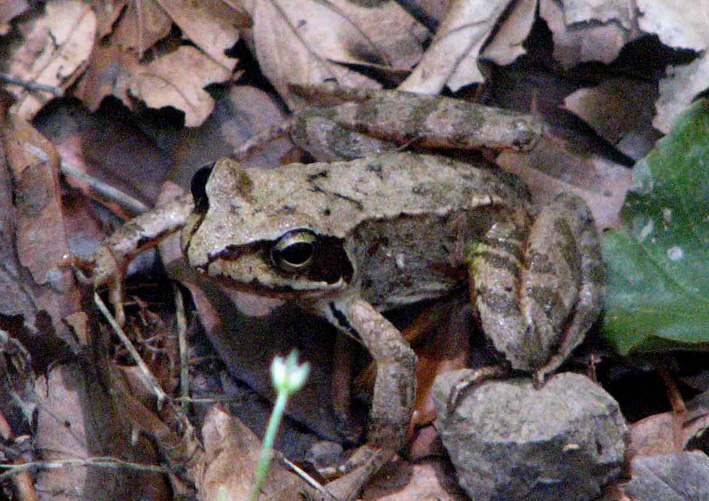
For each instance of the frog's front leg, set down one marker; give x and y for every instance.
(144, 231)
(537, 294)
(394, 387)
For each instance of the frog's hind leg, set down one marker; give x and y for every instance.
(537, 294)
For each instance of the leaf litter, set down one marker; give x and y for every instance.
(176, 54)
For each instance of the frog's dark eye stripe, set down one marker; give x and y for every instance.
(315, 257)
(198, 187)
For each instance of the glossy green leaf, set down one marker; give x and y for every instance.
(658, 260)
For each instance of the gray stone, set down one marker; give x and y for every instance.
(509, 441)
(682, 476)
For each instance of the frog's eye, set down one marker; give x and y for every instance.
(294, 251)
(199, 188)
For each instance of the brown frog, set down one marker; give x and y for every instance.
(348, 240)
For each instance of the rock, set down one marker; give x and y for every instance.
(681, 476)
(509, 441)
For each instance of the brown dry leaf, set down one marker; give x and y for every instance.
(552, 168)
(178, 79)
(140, 27)
(10, 9)
(429, 479)
(76, 420)
(54, 53)
(227, 467)
(40, 242)
(107, 11)
(298, 40)
(582, 33)
(682, 28)
(238, 115)
(452, 57)
(211, 24)
(506, 46)
(667, 432)
(620, 110)
(109, 74)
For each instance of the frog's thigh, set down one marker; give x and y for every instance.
(537, 301)
(571, 299)
(395, 383)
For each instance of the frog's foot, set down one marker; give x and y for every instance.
(475, 379)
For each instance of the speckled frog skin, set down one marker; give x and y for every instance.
(349, 239)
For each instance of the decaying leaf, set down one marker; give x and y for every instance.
(54, 53)
(298, 41)
(39, 277)
(682, 27)
(210, 24)
(226, 470)
(554, 167)
(585, 35)
(452, 57)
(506, 46)
(9, 9)
(678, 90)
(667, 432)
(178, 79)
(140, 26)
(620, 110)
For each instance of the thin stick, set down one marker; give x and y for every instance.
(182, 344)
(151, 379)
(104, 461)
(105, 190)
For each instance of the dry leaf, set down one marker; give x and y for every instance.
(553, 168)
(178, 79)
(107, 11)
(226, 470)
(580, 37)
(583, 11)
(142, 24)
(210, 24)
(678, 90)
(109, 74)
(9, 9)
(620, 110)
(667, 432)
(506, 46)
(683, 26)
(429, 479)
(40, 242)
(298, 40)
(54, 53)
(452, 57)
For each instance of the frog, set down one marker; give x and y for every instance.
(349, 240)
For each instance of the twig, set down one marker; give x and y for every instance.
(105, 190)
(151, 379)
(104, 461)
(310, 480)
(182, 344)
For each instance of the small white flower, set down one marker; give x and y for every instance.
(287, 375)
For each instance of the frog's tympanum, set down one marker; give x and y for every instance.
(349, 239)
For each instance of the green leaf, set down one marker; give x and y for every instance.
(658, 260)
